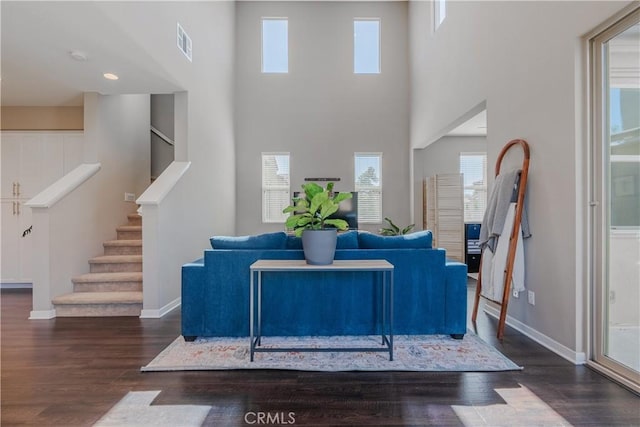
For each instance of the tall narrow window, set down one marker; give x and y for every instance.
(275, 45)
(439, 12)
(366, 46)
(276, 193)
(368, 184)
(473, 166)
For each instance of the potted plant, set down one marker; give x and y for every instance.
(394, 230)
(310, 219)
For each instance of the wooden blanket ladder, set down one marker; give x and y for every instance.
(513, 239)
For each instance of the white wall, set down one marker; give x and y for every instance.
(123, 151)
(320, 111)
(443, 156)
(525, 59)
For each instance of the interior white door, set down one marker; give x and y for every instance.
(10, 154)
(16, 264)
(31, 161)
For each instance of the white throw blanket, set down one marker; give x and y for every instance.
(494, 264)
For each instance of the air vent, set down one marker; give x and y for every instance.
(184, 42)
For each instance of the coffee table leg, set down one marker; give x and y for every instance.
(259, 340)
(390, 315)
(384, 304)
(251, 317)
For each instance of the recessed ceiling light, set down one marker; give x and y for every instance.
(110, 76)
(78, 55)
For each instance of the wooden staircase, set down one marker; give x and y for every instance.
(113, 286)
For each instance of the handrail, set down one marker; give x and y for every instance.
(159, 189)
(65, 185)
(162, 136)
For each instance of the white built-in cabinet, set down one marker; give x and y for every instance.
(443, 213)
(31, 161)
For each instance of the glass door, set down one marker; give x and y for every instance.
(615, 197)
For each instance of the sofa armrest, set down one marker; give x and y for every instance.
(456, 296)
(193, 292)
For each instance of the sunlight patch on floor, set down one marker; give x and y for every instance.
(135, 410)
(522, 407)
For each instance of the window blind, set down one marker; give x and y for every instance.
(473, 166)
(276, 193)
(368, 184)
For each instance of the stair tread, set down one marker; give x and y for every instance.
(126, 297)
(134, 242)
(133, 276)
(129, 228)
(108, 259)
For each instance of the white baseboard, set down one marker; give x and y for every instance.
(577, 358)
(26, 285)
(156, 314)
(42, 314)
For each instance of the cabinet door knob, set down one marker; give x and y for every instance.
(14, 207)
(18, 206)
(13, 188)
(18, 190)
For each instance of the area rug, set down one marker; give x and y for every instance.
(411, 353)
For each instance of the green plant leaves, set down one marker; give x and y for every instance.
(394, 230)
(340, 224)
(317, 201)
(314, 209)
(341, 196)
(327, 209)
(311, 189)
(294, 220)
(408, 228)
(393, 226)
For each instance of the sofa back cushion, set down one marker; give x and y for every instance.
(276, 240)
(346, 240)
(417, 240)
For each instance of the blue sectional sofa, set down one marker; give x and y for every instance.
(430, 292)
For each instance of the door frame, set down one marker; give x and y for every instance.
(598, 224)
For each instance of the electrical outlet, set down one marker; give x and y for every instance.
(612, 297)
(531, 297)
(516, 294)
(129, 197)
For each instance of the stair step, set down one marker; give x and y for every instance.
(123, 247)
(129, 232)
(115, 263)
(134, 219)
(98, 304)
(108, 282)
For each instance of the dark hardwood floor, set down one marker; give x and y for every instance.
(70, 372)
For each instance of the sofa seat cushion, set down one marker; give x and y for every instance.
(346, 240)
(417, 240)
(276, 240)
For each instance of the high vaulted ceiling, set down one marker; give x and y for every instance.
(38, 70)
